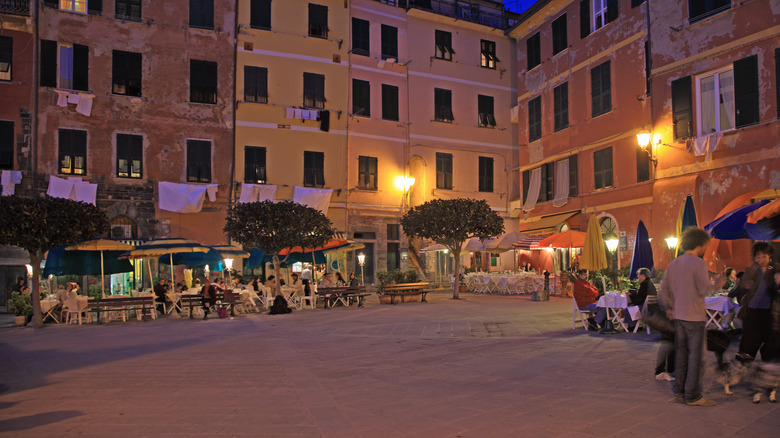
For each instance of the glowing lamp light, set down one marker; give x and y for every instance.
(404, 183)
(229, 264)
(361, 261)
(29, 270)
(643, 138)
(612, 244)
(671, 242)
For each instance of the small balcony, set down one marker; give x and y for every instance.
(485, 12)
(15, 7)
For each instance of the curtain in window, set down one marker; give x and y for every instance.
(707, 89)
(533, 190)
(561, 183)
(727, 100)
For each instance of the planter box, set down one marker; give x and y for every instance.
(415, 298)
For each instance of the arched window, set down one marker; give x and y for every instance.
(122, 227)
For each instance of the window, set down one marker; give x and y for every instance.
(573, 176)
(682, 113)
(367, 173)
(203, 81)
(561, 106)
(701, 9)
(318, 21)
(393, 256)
(64, 66)
(79, 6)
(526, 183)
(594, 14)
(642, 165)
(6, 144)
(443, 171)
(444, 45)
(535, 119)
(728, 98)
(442, 101)
(313, 90)
(260, 14)
(73, 151)
(198, 161)
(126, 73)
(361, 98)
(777, 81)
(202, 14)
(254, 165)
(389, 42)
(393, 232)
(485, 174)
(255, 84)
(534, 51)
(547, 189)
(600, 90)
(559, 41)
(602, 168)
(6, 57)
(485, 111)
(488, 54)
(389, 102)
(129, 155)
(361, 39)
(313, 169)
(128, 10)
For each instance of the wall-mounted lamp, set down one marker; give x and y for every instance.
(643, 138)
(612, 244)
(671, 242)
(404, 183)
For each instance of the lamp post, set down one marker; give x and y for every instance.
(361, 261)
(228, 266)
(671, 242)
(612, 245)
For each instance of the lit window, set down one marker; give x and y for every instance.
(715, 101)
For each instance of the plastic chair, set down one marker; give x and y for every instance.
(583, 314)
(72, 308)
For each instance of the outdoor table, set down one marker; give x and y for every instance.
(717, 308)
(611, 301)
(175, 300)
(290, 294)
(48, 307)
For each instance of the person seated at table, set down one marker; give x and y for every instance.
(638, 297)
(296, 282)
(353, 281)
(254, 284)
(585, 294)
(159, 291)
(730, 274)
(209, 299)
(62, 294)
(340, 279)
(326, 282)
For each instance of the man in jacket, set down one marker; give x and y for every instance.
(585, 294)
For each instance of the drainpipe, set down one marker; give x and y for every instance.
(235, 108)
(34, 115)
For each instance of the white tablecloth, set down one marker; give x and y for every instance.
(721, 304)
(613, 300)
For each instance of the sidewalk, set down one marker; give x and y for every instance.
(484, 366)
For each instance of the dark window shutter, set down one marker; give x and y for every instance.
(612, 10)
(642, 165)
(584, 18)
(573, 176)
(94, 7)
(682, 117)
(526, 182)
(777, 80)
(746, 91)
(51, 3)
(6, 144)
(48, 63)
(80, 67)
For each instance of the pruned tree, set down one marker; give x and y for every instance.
(451, 222)
(274, 226)
(38, 225)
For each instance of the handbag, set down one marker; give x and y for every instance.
(656, 319)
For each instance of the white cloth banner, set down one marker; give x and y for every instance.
(62, 98)
(534, 185)
(183, 198)
(561, 183)
(9, 180)
(257, 193)
(84, 106)
(315, 198)
(72, 188)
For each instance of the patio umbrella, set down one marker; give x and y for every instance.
(212, 258)
(734, 225)
(504, 242)
(686, 218)
(230, 252)
(770, 210)
(100, 245)
(566, 239)
(643, 252)
(169, 246)
(594, 257)
(474, 245)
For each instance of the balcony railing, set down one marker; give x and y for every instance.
(15, 7)
(484, 12)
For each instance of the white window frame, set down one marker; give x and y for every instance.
(699, 112)
(77, 6)
(599, 10)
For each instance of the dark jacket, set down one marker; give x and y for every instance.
(749, 285)
(645, 288)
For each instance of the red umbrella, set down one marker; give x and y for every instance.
(566, 239)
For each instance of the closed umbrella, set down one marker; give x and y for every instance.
(643, 252)
(686, 218)
(100, 245)
(594, 257)
(169, 246)
(474, 245)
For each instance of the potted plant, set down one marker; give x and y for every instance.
(396, 277)
(21, 305)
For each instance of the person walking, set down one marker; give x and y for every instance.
(664, 362)
(683, 289)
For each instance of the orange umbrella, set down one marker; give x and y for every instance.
(566, 239)
(770, 210)
(332, 244)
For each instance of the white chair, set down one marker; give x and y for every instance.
(583, 314)
(72, 308)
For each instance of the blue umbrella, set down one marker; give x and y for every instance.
(686, 219)
(643, 252)
(211, 258)
(733, 225)
(257, 258)
(80, 262)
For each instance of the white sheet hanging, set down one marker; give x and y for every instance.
(84, 106)
(62, 98)
(290, 113)
(257, 193)
(60, 188)
(315, 198)
(211, 190)
(534, 185)
(72, 188)
(181, 198)
(9, 179)
(248, 193)
(84, 192)
(74, 98)
(561, 183)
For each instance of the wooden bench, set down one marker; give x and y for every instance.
(344, 294)
(190, 301)
(124, 304)
(404, 289)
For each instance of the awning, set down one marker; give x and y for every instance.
(547, 224)
(529, 243)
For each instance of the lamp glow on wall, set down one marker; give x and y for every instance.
(29, 270)
(404, 183)
(643, 139)
(228, 266)
(362, 262)
(612, 244)
(671, 242)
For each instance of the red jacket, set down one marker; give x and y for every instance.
(585, 293)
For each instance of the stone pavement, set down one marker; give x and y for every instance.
(484, 366)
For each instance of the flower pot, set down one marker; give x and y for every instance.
(462, 288)
(20, 321)
(384, 299)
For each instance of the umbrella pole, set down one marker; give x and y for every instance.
(149, 265)
(173, 282)
(102, 277)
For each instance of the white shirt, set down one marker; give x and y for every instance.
(306, 274)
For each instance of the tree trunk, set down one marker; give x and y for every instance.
(456, 283)
(277, 273)
(35, 261)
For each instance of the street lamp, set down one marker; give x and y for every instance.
(362, 262)
(612, 244)
(671, 242)
(228, 266)
(643, 139)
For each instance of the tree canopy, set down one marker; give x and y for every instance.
(451, 222)
(39, 224)
(274, 226)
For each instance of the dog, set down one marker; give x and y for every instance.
(763, 376)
